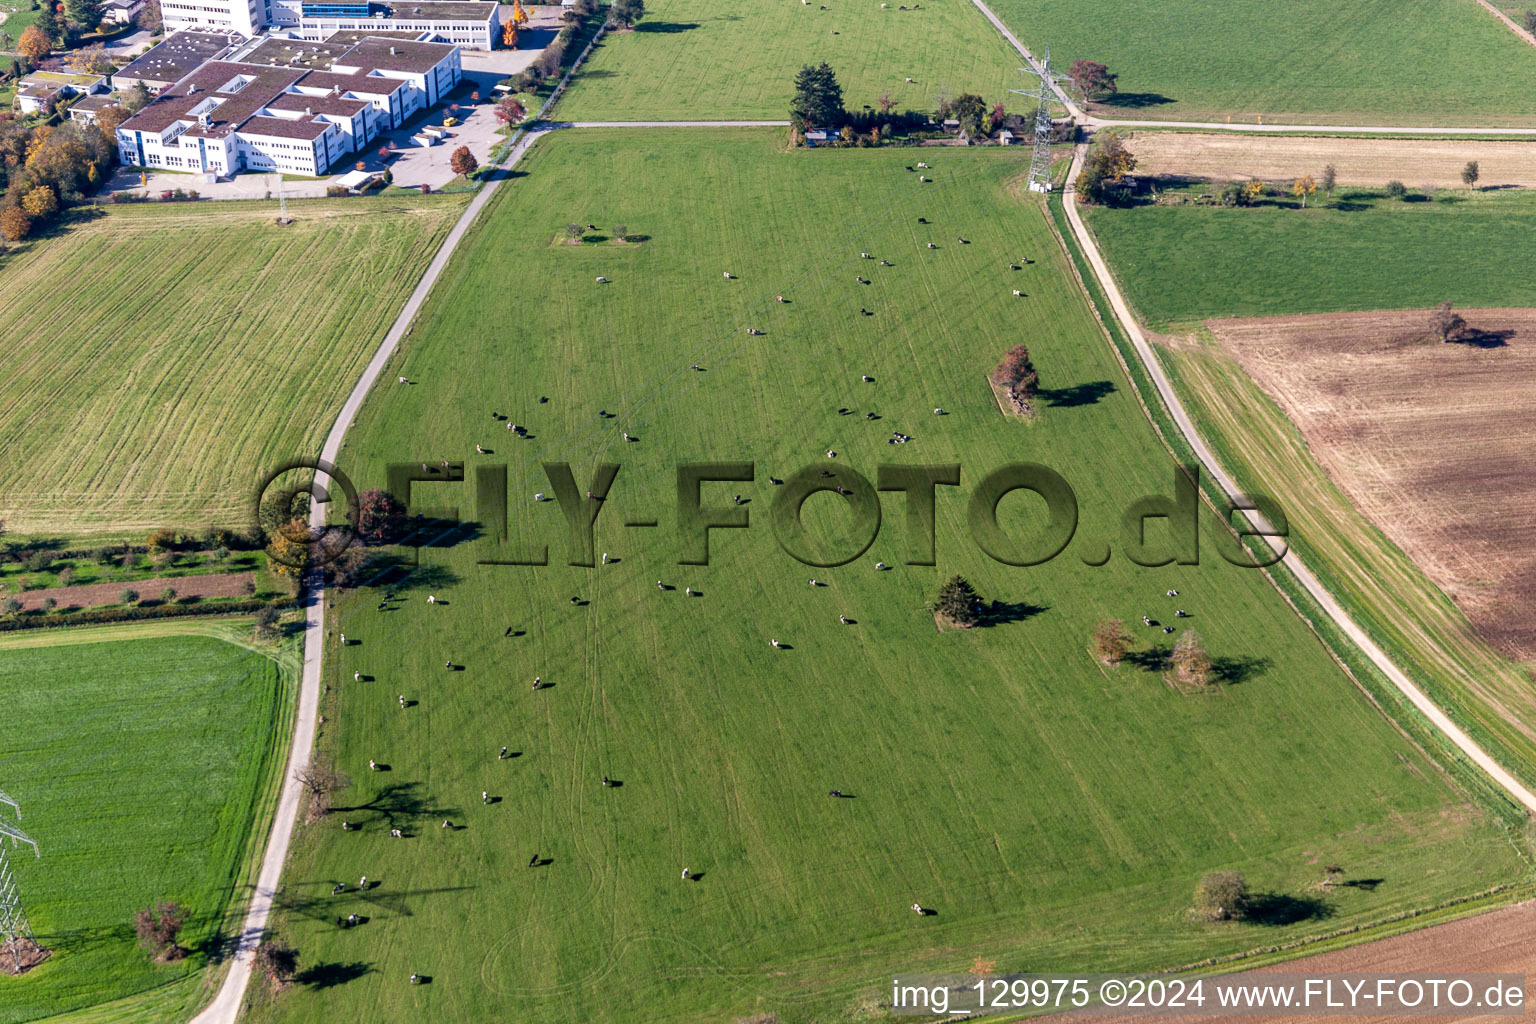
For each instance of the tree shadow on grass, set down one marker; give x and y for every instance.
(1077, 394)
(1239, 669)
(1153, 659)
(399, 805)
(1275, 909)
(324, 976)
(323, 906)
(1134, 100)
(666, 27)
(1000, 613)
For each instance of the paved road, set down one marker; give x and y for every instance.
(1320, 594)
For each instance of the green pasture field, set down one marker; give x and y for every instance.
(1370, 62)
(145, 762)
(1055, 813)
(1360, 252)
(160, 359)
(696, 60)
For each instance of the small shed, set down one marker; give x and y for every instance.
(1005, 137)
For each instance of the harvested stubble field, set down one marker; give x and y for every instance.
(1433, 442)
(1497, 942)
(1388, 593)
(159, 358)
(1415, 162)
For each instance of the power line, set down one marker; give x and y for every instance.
(1040, 160)
(15, 930)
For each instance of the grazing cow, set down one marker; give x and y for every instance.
(879, 567)
(602, 280)
(503, 755)
(1146, 620)
(537, 682)
(1173, 593)
(395, 833)
(843, 619)
(533, 861)
(402, 380)
(918, 907)
(727, 275)
(479, 449)
(938, 412)
(373, 765)
(447, 823)
(1167, 629)
(1017, 293)
(415, 978)
(357, 677)
(932, 246)
(485, 797)
(866, 256)
(686, 874)
(607, 781)
(831, 454)
(775, 644)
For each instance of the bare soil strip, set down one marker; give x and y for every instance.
(229, 584)
(1498, 942)
(1433, 443)
(1415, 162)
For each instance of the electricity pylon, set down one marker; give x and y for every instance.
(1040, 160)
(15, 931)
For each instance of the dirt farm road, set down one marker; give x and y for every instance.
(1304, 576)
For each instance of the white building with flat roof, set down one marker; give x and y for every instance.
(472, 24)
(233, 116)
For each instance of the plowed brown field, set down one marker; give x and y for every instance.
(1494, 943)
(1415, 162)
(1434, 443)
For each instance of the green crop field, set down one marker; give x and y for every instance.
(1445, 62)
(143, 760)
(697, 60)
(160, 358)
(1053, 812)
(1363, 252)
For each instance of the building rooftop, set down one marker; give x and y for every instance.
(228, 93)
(100, 101)
(179, 56)
(375, 54)
(297, 53)
(352, 53)
(423, 10)
(366, 85)
(336, 106)
(283, 128)
(351, 37)
(58, 78)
